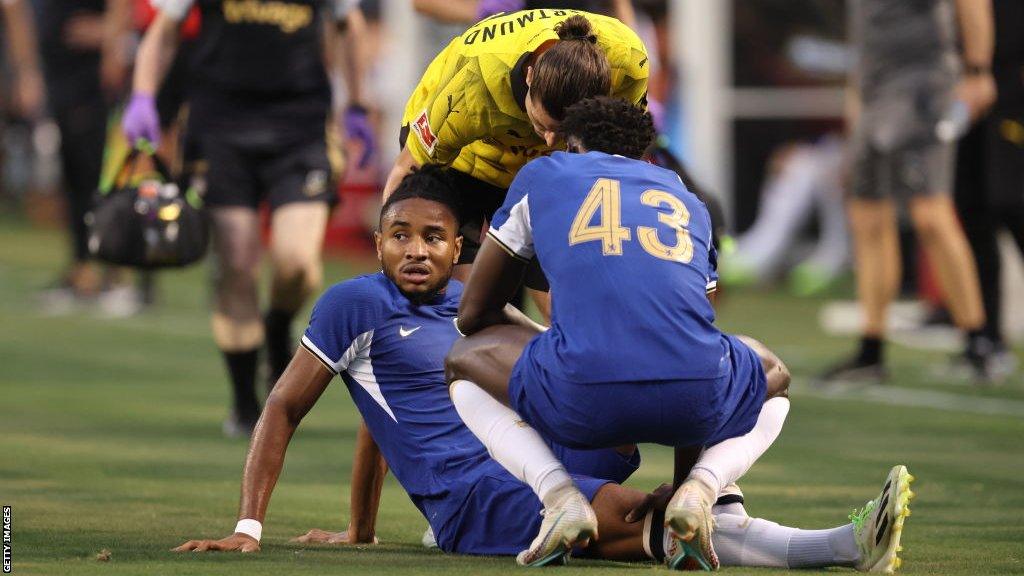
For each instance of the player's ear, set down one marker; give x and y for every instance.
(376, 240)
(529, 76)
(458, 249)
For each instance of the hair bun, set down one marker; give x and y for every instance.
(576, 27)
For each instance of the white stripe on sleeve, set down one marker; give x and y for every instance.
(516, 234)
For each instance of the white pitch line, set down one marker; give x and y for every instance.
(917, 398)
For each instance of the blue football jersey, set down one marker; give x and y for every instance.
(627, 251)
(390, 353)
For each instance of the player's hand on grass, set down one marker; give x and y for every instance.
(318, 536)
(234, 543)
(657, 499)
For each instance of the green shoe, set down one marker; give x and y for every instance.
(879, 525)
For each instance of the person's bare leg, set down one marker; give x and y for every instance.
(478, 369)
(877, 263)
(237, 328)
(939, 232)
(297, 233)
(877, 257)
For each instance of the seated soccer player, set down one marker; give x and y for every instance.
(632, 355)
(386, 334)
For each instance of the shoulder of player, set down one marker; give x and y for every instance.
(364, 295)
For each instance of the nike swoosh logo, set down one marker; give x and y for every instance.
(404, 333)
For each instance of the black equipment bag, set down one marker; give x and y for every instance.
(147, 222)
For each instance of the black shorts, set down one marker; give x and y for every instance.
(245, 171)
(478, 203)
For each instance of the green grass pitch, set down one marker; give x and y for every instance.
(111, 440)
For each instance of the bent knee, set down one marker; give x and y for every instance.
(455, 361)
(778, 378)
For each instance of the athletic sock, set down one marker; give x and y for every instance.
(744, 541)
(242, 369)
(277, 326)
(870, 350)
(511, 442)
(818, 548)
(724, 463)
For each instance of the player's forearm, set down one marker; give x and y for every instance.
(404, 164)
(352, 57)
(368, 471)
(156, 52)
(977, 31)
(493, 283)
(265, 459)
(516, 317)
(454, 11)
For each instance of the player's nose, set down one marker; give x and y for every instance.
(416, 250)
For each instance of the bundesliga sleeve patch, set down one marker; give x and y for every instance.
(422, 128)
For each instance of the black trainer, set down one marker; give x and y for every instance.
(856, 370)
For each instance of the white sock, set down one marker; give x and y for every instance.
(724, 463)
(511, 442)
(743, 541)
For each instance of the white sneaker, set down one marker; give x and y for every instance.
(879, 525)
(689, 520)
(569, 523)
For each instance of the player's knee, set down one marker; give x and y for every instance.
(237, 267)
(778, 379)
(455, 361)
(299, 275)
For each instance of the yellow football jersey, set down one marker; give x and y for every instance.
(467, 110)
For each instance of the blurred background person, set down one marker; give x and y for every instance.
(27, 95)
(989, 190)
(260, 105)
(84, 46)
(802, 178)
(907, 81)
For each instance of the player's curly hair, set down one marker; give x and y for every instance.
(610, 125)
(430, 182)
(571, 70)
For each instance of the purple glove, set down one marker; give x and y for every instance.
(491, 7)
(141, 120)
(357, 127)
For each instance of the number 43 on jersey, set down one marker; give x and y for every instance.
(605, 202)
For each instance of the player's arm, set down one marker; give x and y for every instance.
(404, 164)
(368, 471)
(349, 61)
(494, 281)
(977, 39)
(295, 393)
(19, 28)
(516, 317)
(503, 258)
(159, 46)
